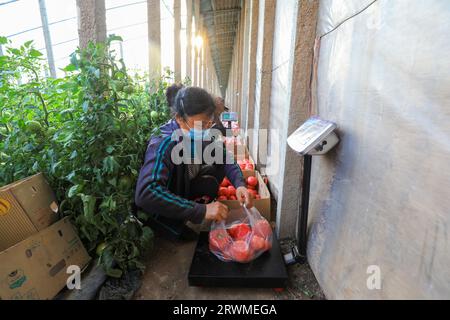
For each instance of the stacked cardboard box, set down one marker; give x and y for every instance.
(35, 248)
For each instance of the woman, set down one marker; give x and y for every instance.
(167, 187)
(220, 108)
(171, 93)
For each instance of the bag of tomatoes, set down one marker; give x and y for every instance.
(243, 237)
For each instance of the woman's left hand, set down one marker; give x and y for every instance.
(244, 197)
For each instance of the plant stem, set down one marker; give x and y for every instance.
(44, 107)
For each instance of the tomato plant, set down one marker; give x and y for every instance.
(87, 132)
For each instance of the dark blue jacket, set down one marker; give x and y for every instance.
(163, 187)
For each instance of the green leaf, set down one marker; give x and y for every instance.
(74, 190)
(3, 40)
(142, 216)
(115, 273)
(74, 60)
(113, 181)
(54, 166)
(108, 203)
(69, 68)
(88, 207)
(110, 165)
(35, 166)
(71, 176)
(147, 236)
(113, 37)
(85, 106)
(28, 147)
(28, 43)
(110, 149)
(134, 253)
(35, 53)
(15, 51)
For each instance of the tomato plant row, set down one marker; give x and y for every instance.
(87, 131)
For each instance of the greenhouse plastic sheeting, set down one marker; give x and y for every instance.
(380, 219)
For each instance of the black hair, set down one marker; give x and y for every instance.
(191, 101)
(171, 93)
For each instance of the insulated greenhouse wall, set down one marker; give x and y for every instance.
(382, 197)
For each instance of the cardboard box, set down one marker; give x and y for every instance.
(263, 204)
(36, 267)
(26, 207)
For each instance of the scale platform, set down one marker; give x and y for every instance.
(268, 271)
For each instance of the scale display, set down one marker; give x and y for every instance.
(229, 116)
(310, 134)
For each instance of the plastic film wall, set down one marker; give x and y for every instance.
(380, 202)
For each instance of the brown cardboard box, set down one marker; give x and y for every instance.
(263, 204)
(26, 207)
(35, 268)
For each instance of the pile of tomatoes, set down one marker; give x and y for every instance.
(228, 192)
(241, 242)
(246, 164)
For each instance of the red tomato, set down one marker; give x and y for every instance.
(222, 198)
(239, 251)
(252, 192)
(242, 166)
(249, 167)
(262, 228)
(225, 183)
(252, 182)
(239, 231)
(219, 240)
(223, 192)
(257, 243)
(232, 198)
(231, 191)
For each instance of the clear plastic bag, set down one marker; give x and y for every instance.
(243, 237)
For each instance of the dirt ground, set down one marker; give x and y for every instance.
(168, 266)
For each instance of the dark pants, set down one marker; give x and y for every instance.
(205, 184)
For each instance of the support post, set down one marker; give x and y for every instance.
(47, 38)
(91, 21)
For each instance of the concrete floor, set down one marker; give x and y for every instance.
(166, 278)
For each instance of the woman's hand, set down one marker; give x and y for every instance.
(244, 197)
(216, 211)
